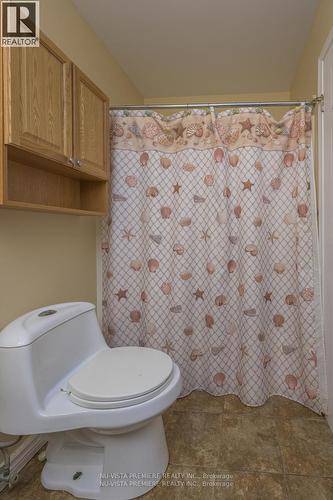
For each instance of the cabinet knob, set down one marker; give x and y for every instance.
(71, 161)
(79, 163)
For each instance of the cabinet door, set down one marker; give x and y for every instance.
(38, 107)
(91, 127)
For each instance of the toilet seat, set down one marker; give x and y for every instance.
(119, 377)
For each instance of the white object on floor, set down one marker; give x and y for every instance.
(101, 407)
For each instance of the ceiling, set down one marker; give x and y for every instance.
(200, 47)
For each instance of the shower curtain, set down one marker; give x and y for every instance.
(209, 250)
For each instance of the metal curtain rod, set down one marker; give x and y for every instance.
(312, 102)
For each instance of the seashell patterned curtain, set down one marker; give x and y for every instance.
(210, 250)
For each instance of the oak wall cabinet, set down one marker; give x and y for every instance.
(55, 133)
(91, 110)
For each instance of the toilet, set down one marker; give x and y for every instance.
(100, 407)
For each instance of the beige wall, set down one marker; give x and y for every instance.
(273, 96)
(44, 259)
(61, 22)
(306, 77)
(48, 258)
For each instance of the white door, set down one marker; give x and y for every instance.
(326, 207)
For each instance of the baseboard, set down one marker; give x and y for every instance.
(22, 453)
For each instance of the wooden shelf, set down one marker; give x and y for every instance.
(28, 187)
(48, 208)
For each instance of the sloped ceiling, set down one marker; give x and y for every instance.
(200, 47)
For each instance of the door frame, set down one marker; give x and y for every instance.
(321, 204)
(320, 120)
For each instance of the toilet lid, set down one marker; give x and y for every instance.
(120, 374)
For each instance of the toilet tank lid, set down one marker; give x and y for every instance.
(27, 328)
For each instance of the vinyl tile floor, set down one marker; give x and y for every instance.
(221, 449)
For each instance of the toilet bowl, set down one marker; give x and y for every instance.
(100, 407)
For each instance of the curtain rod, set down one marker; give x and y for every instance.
(312, 102)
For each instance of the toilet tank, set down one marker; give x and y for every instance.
(38, 351)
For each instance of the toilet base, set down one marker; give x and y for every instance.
(113, 466)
